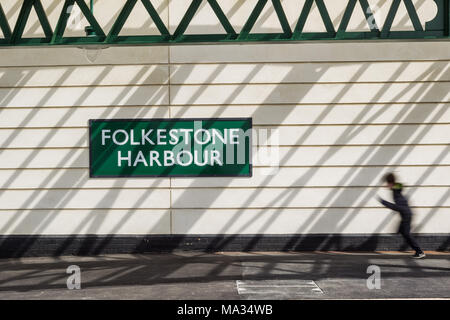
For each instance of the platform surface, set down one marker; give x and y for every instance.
(217, 276)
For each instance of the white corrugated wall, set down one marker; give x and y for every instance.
(345, 114)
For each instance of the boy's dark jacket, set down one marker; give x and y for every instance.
(400, 203)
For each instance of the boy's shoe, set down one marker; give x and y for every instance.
(419, 255)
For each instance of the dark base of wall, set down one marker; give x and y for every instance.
(50, 245)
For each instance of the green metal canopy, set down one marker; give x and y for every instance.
(438, 28)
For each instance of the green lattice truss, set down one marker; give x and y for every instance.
(438, 28)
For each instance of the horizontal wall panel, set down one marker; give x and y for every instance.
(42, 138)
(84, 199)
(309, 52)
(322, 176)
(347, 156)
(291, 135)
(248, 221)
(310, 93)
(283, 156)
(84, 96)
(354, 135)
(44, 158)
(64, 222)
(22, 57)
(324, 114)
(306, 197)
(305, 221)
(261, 115)
(262, 177)
(74, 117)
(310, 72)
(83, 76)
(70, 178)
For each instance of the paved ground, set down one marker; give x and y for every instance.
(316, 275)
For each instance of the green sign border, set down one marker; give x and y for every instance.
(249, 175)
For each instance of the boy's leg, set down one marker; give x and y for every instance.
(405, 231)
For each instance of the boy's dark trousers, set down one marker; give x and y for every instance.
(405, 231)
(402, 207)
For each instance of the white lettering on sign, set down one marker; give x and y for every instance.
(104, 136)
(181, 155)
(145, 137)
(168, 158)
(173, 136)
(120, 158)
(124, 138)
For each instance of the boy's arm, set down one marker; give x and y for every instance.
(389, 205)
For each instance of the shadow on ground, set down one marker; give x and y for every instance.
(213, 276)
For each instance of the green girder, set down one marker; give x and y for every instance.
(438, 28)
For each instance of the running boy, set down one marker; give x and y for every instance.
(401, 206)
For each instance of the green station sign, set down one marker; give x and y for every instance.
(170, 147)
